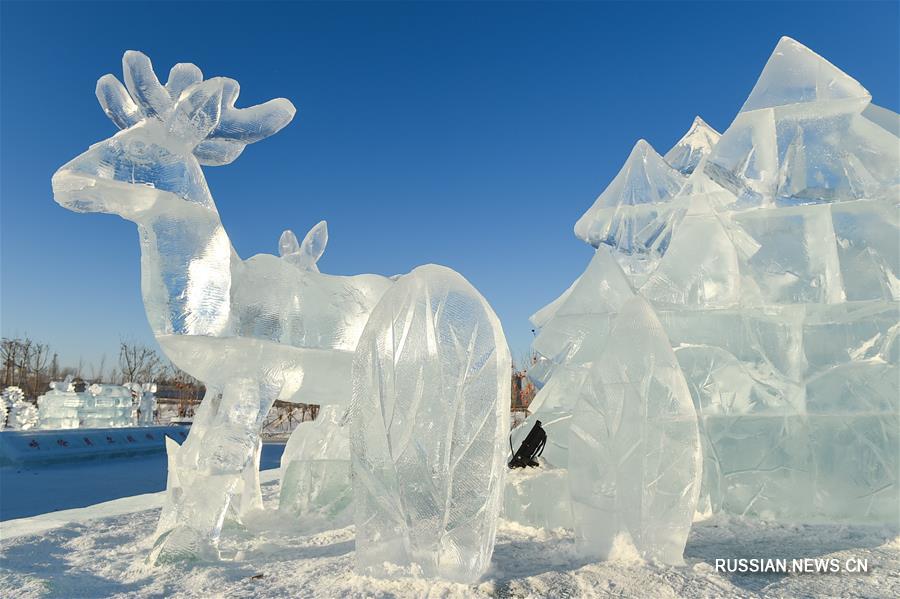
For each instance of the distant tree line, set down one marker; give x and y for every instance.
(31, 366)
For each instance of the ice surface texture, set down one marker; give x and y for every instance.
(254, 331)
(315, 472)
(774, 272)
(634, 449)
(429, 424)
(631, 202)
(696, 144)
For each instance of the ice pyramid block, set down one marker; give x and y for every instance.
(586, 308)
(315, 472)
(429, 425)
(802, 138)
(633, 199)
(634, 447)
(696, 144)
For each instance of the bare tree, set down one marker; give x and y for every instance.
(54, 368)
(26, 364)
(38, 360)
(10, 352)
(139, 363)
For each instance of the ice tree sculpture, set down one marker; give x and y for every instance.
(252, 330)
(634, 447)
(18, 412)
(315, 472)
(23, 415)
(775, 275)
(429, 420)
(11, 395)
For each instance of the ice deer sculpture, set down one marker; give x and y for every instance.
(252, 330)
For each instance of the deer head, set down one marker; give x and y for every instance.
(166, 133)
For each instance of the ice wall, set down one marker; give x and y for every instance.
(775, 276)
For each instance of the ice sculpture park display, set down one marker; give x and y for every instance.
(275, 328)
(252, 330)
(16, 412)
(428, 428)
(773, 268)
(98, 406)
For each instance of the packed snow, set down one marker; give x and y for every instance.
(100, 551)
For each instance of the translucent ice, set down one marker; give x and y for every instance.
(585, 309)
(254, 331)
(17, 412)
(429, 424)
(801, 137)
(315, 472)
(634, 449)
(305, 255)
(633, 200)
(776, 282)
(100, 406)
(696, 144)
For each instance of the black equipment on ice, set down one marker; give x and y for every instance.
(531, 448)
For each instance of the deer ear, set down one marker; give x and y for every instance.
(313, 245)
(197, 111)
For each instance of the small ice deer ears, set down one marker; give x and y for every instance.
(143, 97)
(305, 255)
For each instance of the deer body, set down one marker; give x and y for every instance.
(253, 330)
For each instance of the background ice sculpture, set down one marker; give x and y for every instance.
(634, 448)
(17, 412)
(252, 330)
(774, 271)
(429, 420)
(315, 472)
(98, 406)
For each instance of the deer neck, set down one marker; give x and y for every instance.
(186, 268)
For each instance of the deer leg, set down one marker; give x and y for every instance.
(209, 470)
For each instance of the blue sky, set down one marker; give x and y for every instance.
(467, 134)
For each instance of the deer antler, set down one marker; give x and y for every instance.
(143, 97)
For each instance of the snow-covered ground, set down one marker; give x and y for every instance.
(98, 552)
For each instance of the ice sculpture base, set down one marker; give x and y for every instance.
(538, 497)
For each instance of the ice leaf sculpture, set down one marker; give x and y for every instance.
(634, 447)
(315, 472)
(429, 420)
(631, 201)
